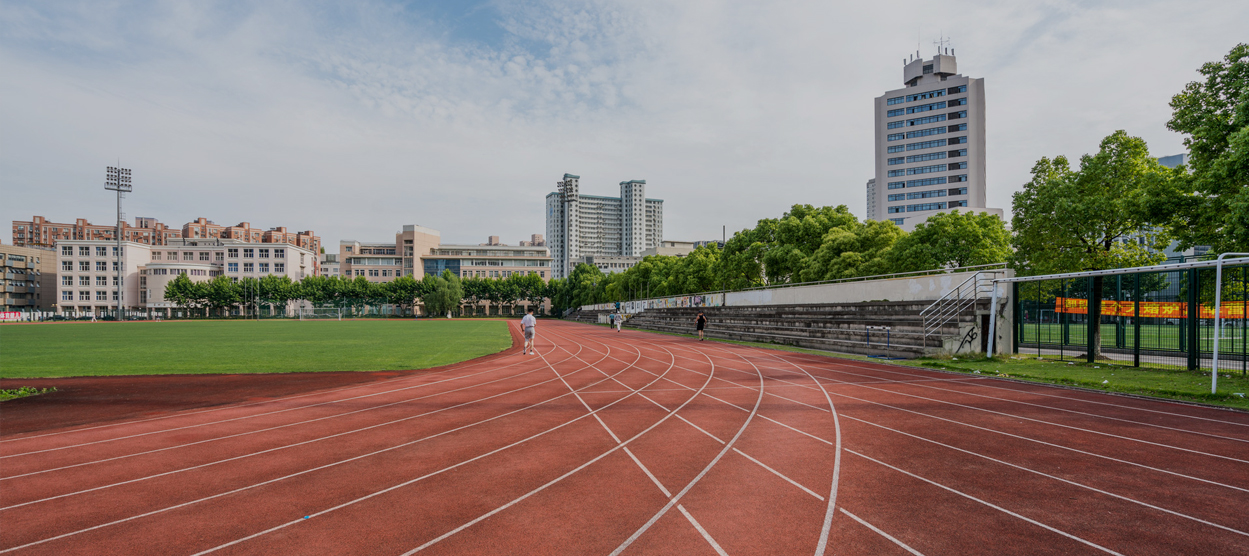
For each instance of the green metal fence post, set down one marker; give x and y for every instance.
(1016, 317)
(1136, 320)
(1194, 311)
(1088, 321)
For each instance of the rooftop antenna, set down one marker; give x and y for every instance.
(941, 43)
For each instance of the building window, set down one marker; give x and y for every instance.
(101, 295)
(956, 204)
(897, 184)
(896, 112)
(957, 90)
(897, 209)
(958, 191)
(896, 125)
(249, 267)
(926, 107)
(898, 197)
(925, 144)
(927, 69)
(926, 181)
(896, 148)
(924, 96)
(155, 255)
(898, 172)
(926, 169)
(958, 115)
(896, 136)
(84, 296)
(925, 206)
(279, 253)
(264, 267)
(264, 253)
(958, 153)
(898, 160)
(957, 102)
(926, 132)
(372, 272)
(233, 253)
(897, 221)
(926, 194)
(219, 256)
(281, 268)
(67, 280)
(100, 266)
(958, 140)
(84, 280)
(957, 128)
(101, 252)
(187, 256)
(249, 253)
(925, 157)
(67, 251)
(67, 266)
(957, 166)
(203, 255)
(173, 255)
(101, 280)
(958, 178)
(84, 251)
(67, 295)
(894, 100)
(233, 267)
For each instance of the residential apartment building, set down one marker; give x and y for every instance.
(612, 264)
(329, 265)
(29, 279)
(930, 145)
(38, 232)
(580, 226)
(535, 240)
(87, 270)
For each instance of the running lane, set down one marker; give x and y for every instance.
(639, 443)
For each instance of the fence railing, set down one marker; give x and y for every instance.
(958, 301)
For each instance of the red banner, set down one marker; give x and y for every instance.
(1149, 309)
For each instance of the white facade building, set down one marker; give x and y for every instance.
(87, 282)
(580, 226)
(930, 145)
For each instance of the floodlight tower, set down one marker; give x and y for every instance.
(118, 179)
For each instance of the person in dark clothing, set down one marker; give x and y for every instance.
(700, 323)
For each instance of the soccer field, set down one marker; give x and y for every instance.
(203, 347)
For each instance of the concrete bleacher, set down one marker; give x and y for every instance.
(840, 327)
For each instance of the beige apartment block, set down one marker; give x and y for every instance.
(38, 232)
(29, 279)
(87, 281)
(383, 262)
(488, 261)
(930, 145)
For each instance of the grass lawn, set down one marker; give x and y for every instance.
(1193, 386)
(206, 347)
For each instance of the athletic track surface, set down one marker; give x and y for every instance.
(637, 443)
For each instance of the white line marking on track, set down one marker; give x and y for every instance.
(779, 474)
(986, 503)
(648, 473)
(700, 429)
(702, 531)
(1060, 479)
(882, 533)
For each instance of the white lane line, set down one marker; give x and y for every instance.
(648, 473)
(700, 429)
(257, 431)
(987, 503)
(702, 531)
(553, 481)
(836, 367)
(306, 471)
(779, 474)
(882, 533)
(1060, 479)
(251, 416)
(1046, 407)
(675, 499)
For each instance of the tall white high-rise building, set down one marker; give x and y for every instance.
(930, 145)
(580, 226)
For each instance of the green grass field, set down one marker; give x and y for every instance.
(205, 347)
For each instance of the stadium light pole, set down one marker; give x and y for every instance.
(118, 179)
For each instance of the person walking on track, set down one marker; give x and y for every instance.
(527, 324)
(619, 321)
(700, 322)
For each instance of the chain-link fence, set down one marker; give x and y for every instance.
(1161, 318)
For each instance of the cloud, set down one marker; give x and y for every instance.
(355, 119)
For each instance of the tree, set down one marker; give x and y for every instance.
(442, 293)
(851, 250)
(402, 292)
(276, 291)
(952, 240)
(1210, 206)
(1068, 221)
(476, 290)
(221, 293)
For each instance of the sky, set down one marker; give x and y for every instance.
(354, 119)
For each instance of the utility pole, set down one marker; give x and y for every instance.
(118, 179)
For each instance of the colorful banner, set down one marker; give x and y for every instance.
(1149, 309)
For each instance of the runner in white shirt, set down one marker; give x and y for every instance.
(527, 324)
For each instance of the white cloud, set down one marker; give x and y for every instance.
(355, 121)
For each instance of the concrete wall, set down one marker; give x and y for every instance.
(920, 288)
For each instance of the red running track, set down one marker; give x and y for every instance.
(639, 443)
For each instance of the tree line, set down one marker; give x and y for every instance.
(437, 295)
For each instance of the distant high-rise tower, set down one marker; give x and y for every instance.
(592, 226)
(930, 145)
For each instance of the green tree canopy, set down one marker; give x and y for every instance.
(952, 240)
(1210, 206)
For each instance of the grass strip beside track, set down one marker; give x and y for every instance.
(1182, 385)
(211, 347)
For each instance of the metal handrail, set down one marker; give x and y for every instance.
(952, 305)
